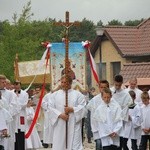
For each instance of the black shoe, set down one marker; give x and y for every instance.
(45, 145)
(1, 147)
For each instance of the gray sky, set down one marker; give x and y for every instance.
(94, 10)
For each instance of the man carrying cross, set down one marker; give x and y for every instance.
(59, 114)
(67, 108)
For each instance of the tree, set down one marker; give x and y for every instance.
(85, 31)
(115, 22)
(100, 23)
(133, 22)
(26, 13)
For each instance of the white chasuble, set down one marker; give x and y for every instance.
(56, 107)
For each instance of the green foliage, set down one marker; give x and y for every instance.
(133, 22)
(115, 22)
(100, 23)
(85, 31)
(25, 36)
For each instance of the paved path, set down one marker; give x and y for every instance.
(87, 146)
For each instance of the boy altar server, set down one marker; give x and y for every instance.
(92, 106)
(108, 116)
(132, 127)
(33, 141)
(124, 100)
(145, 122)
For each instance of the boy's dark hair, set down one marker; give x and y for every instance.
(145, 95)
(105, 82)
(118, 78)
(106, 90)
(132, 94)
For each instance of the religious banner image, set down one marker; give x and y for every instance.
(77, 64)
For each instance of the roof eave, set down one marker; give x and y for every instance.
(113, 43)
(135, 55)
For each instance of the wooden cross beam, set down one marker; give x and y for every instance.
(67, 24)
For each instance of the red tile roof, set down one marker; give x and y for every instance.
(130, 41)
(140, 81)
(137, 70)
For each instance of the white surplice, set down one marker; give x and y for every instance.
(11, 105)
(145, 117)
(109, 120)
(5, 119)
(132, 127)
(34, 140)
(56, 107)
(48, 128)
(3, 125)
(124, 100)
(22, 100)
(92, 106)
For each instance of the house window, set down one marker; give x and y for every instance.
(116, 67)
(102, 73)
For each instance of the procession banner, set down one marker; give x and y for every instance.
(77, 58)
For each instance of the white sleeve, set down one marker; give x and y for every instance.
(53, 112)
(79, 109)
(45, 102)
(137, 117)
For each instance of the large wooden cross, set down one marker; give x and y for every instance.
(67, 26)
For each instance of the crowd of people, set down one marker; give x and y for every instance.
(112, 116)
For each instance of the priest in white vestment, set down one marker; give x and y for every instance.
(108, 116)
(73, 114)
(21, 118)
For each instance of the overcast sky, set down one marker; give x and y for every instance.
(94, 10)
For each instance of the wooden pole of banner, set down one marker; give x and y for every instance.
(67, 26)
